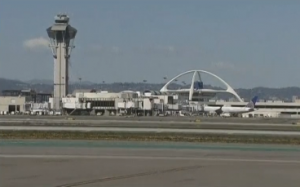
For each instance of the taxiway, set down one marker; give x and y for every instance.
(156, 122)
(149, 130)
(119, 164)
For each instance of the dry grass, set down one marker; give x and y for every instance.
(149, 137)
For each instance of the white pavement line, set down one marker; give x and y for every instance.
(157, 130)
(145, 158)
(97, 121)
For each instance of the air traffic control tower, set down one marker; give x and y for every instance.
(61, 36)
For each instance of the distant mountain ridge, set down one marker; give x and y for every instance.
(47, 81)
(46, 86)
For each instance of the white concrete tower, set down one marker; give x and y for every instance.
(61, 36)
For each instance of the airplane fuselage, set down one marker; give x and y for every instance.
(236, 109)
(227, 109)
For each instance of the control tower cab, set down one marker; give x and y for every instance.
(61, 18)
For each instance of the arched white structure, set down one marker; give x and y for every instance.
(191, 90)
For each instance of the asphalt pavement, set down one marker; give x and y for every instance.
(155, 122)
(122, 164)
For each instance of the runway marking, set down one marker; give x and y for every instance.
(144, 158)
(153, 130)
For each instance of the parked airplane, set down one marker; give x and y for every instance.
(232, 110)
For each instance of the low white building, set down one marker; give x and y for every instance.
(42, 108)
(122, 102)
(14, 104)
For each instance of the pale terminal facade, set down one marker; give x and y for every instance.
(146, 103)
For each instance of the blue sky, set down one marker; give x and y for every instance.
(247, 43)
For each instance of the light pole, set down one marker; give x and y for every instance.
(165, 78)
(79, 82)
(103, 82)
(144, 81)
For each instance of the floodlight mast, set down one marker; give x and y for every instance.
(61, 36)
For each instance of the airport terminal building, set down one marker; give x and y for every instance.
(185, 101)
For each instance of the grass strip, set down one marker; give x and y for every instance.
(169, 137)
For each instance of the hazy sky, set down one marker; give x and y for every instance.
(248, 43)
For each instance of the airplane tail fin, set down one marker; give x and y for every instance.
(252, 103)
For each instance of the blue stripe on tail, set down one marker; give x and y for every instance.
(254, 100)
(252, 103)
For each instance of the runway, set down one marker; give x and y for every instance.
(156, 122)
(135, 164)
(152, 119)
(150, 130)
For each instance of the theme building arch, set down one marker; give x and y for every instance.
(191, 90)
